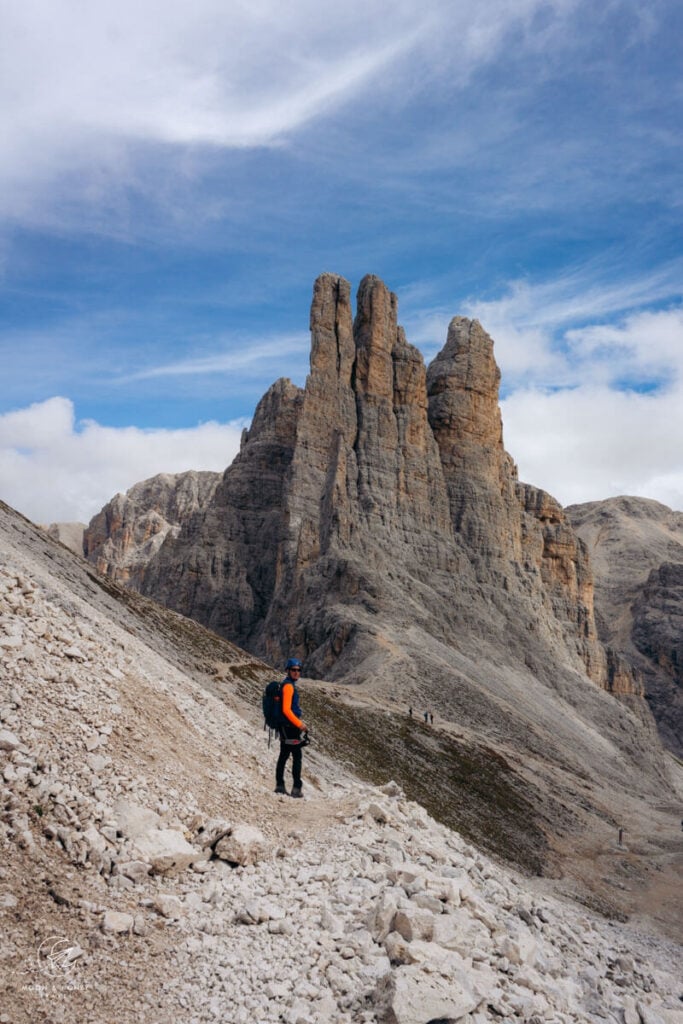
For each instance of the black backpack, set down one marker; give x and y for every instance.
(272, 705)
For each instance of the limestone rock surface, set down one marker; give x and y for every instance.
(141, 734)
(373, 520)
(381, 490)
(69, 534)
(636, 548)
(122, 538)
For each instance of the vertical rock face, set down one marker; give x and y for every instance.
(375, 514)
(123, 538)
(365, 491)
(224, 566)
(373, 524)
(658, 636)
(516, 535)
(462, 385)
(636, 546)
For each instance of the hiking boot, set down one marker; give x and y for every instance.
(296, 792)
(280, 788)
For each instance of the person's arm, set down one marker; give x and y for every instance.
(287, 694)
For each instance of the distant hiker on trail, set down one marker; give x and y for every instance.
(293, 730)
(426, 716)
(410, 712)
(431, 718)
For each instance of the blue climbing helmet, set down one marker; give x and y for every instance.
(293, 663)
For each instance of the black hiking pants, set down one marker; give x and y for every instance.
(285, 750)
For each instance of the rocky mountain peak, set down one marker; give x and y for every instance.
(462, 385)
(333, 349)
(375, 332)
(374, 519)
(466, 365)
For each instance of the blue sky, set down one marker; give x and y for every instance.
(173, 177)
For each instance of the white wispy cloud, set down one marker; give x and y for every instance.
(220, 73)
(533, 323)
(81, 86)
(536, 340)
(114, 353)
(53, 469)
(591, 291)
(243, 358)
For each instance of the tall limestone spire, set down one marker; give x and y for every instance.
(379, 498)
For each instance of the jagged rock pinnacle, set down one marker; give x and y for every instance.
(379, 501)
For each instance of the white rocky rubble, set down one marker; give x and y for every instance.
(149, 873)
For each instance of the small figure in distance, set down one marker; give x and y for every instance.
(293, 731)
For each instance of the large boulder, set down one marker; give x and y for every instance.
(243, 845)
(166, 850)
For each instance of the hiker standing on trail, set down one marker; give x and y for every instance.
(293, 731)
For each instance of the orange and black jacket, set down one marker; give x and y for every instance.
(291, 711)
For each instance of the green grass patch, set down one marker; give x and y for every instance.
(470, 788)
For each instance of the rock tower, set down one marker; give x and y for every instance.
(374, 515)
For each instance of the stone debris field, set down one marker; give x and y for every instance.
(149, 873)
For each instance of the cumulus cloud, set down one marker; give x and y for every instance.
(590, 443)
(617, 429)
(647, 346)
(593, 411)
(532, 325)
(53, 469)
